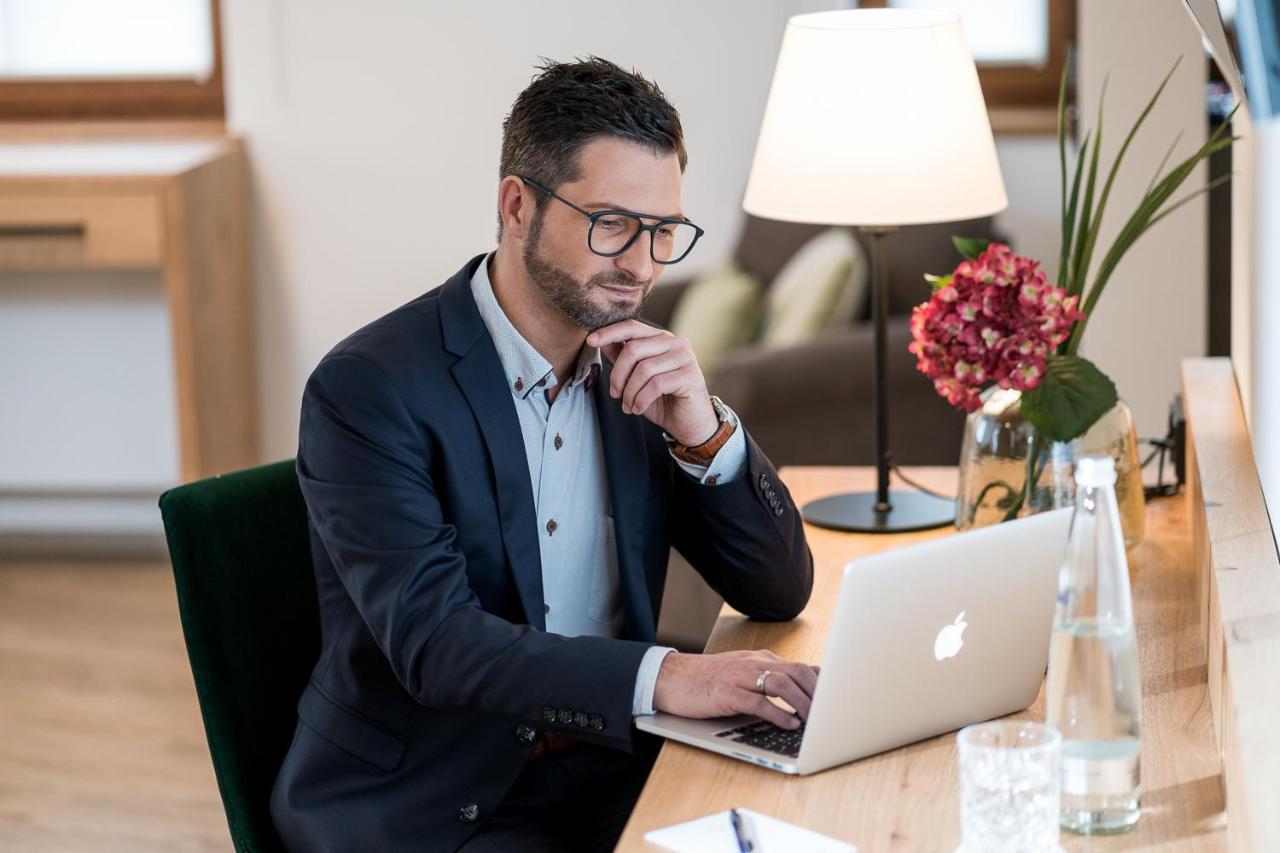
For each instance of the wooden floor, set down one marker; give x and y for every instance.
(101, 745)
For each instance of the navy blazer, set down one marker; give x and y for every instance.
(435, 668)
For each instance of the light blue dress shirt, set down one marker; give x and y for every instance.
(580, 584)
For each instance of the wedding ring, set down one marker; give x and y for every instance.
(760, 681)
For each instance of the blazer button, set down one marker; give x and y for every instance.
(526, 734)
(566, 716)
(468, 813)
(581, 720)
(597, 722)
(549, 714)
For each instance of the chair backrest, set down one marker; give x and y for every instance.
(247, 598)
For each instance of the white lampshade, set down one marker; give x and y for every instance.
(875, 117)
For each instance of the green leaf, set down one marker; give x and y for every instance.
(1069, 220)
(970, 247)
(1070, 398)
(1079, 271)
(1086, 252)
(938, 281)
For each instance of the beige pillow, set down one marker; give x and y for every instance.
(822, 288)
(718, 313)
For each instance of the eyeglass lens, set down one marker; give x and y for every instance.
(610, 234)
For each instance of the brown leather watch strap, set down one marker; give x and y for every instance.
(702, 454)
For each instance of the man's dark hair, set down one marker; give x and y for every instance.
(570, 104)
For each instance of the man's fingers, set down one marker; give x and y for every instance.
(803, 675)
(623, 331)
(780, 684)
(632, 354)
(654, 378)
(756, 704)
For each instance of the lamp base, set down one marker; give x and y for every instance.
(856, 512)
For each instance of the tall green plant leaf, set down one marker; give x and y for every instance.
(1141, 220)
(1086, 212)
(1094, 226)
(1069, 220)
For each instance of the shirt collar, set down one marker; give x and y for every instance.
(523, 365)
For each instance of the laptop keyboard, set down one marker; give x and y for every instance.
(765, 735)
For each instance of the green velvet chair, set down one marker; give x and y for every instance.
(247, 597)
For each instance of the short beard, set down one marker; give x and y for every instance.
(569, 295)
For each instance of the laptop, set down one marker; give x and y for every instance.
(926, 639)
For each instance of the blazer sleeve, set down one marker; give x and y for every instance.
(746, 538)
(364, 469)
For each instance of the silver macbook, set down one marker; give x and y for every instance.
(926, 639)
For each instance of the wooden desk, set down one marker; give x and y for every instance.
(908, 798)
(173, 205)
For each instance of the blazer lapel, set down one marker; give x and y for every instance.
(479, 374)
(627, 466)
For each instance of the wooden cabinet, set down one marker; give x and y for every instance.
(177, 205)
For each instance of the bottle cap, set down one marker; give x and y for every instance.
(1092, 471)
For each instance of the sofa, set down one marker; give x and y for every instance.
(811, 404)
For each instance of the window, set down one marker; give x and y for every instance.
(70, 59)
(1019, 46)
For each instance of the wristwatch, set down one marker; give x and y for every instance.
(702, 454)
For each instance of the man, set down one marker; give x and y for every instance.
(494, 474)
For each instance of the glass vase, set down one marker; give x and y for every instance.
(994, 465)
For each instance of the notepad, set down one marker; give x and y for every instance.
(714, 834)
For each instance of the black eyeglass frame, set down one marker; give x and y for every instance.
(639, 217)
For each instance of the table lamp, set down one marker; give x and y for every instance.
(875, 119)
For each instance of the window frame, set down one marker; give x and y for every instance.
(117, 99)
(1023, 86)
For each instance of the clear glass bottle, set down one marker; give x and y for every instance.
(1094, 692)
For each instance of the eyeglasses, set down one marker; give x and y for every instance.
(613, 231)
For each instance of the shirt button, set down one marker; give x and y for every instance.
(551, 527)
(713, 479)
(546, 608)
(559, 441)
(541, 382)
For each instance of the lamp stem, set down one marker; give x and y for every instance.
(880, 314)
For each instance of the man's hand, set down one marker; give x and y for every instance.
(656, 374)
(722, 685)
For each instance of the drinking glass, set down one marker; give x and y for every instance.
(1009, 787)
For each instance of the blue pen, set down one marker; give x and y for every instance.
(745, 844)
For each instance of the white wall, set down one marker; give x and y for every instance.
(88, 424)
(374, 135)
(1153, 312)
(1029, 165)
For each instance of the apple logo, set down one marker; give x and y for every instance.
(950, 639)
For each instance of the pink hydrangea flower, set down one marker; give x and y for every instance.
(997, 320)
